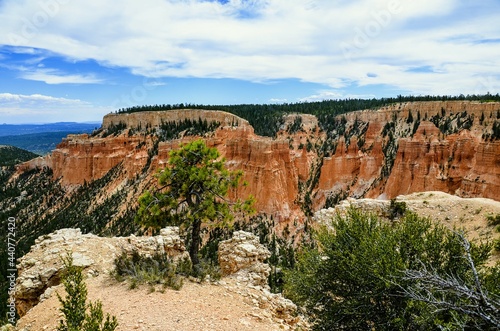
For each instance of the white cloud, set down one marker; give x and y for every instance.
(336, 43)
(277, 100)
(38, 108)
(333, 94)
(52, 76)
(9, 97)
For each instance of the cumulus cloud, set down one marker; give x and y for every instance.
(39, 108)
(333, 95)
(336, 43)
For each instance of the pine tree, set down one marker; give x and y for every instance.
(193, 191)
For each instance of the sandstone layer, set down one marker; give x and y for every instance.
(398, 149)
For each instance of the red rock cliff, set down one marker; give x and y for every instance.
(395, 150)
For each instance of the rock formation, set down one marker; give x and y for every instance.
(41, 268)
(242, 257)
(242, 260)
(155, 118)
(398, 149)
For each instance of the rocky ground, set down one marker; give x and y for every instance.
(223, 306)
(239, 301)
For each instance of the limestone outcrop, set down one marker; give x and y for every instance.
(40, 269)
(242, 262)
(156, 118)
(242, 257)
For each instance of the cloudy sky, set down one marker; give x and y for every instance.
(76, 60)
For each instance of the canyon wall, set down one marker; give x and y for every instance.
(397, 149)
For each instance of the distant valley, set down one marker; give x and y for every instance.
(41, 138)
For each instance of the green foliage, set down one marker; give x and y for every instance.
(452, 123)
(334, 198)
(10, 155)
(493, 219)
(194, 186)
(296, 126)
(208, 269)
(353, 280)
(390, 147)
(74, 305)
(496, 245)
(410, 117)
(157, 269)
(95, 319)
(495, 130)
(173, 130)
(397, 209)
(115, 129)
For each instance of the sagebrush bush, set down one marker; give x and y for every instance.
(157, 269)
(493, 219)
(496, 245)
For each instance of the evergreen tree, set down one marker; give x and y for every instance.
(193, 190)
(74, 305)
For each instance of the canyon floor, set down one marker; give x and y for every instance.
(225, 306)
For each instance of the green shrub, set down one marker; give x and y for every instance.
(157, 269)
(496, 245)
(208, 269)
(397, 209)
(493, 219)
(74, 305)
(355, 278)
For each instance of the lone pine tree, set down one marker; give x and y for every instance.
(193, 190)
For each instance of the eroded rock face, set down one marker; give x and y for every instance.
(41, 268)
(156, 118)
(242, 257)
(425, 159)
(380, 208)
(280, 171)
(459, 164)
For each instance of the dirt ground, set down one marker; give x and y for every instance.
(203, 307)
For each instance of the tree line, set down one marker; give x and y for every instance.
(267, 119)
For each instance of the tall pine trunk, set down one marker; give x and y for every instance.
(195, 245)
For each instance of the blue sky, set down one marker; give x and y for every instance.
(72, 60)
